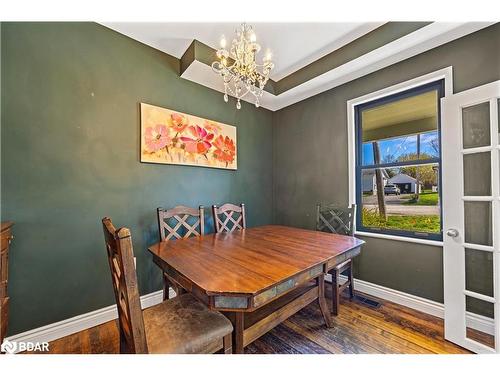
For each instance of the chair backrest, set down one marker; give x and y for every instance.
(124, 278)
(229, 217)
(180, 222)
(335, 219)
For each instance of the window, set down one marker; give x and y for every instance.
(398, 163)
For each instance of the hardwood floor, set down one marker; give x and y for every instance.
(359, 328)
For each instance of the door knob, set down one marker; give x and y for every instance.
(452, 232)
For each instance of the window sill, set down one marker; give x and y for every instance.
(400, 238)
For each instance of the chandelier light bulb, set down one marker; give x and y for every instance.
(223, 42)
(269, 56)
(253, 37)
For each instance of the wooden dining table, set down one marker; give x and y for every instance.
(258, 277)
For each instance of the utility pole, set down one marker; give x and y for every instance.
(379, 182)
(417, 188)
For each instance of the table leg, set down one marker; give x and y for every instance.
(239, 327)
(322, 301)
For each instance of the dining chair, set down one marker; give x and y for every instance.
(182, 325)
(229, 217)
(177, 223)
(340, 220)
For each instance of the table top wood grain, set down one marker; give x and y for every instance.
(249, 261)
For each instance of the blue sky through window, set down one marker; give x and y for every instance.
(394, 148)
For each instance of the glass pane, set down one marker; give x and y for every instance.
(390, 150)
(367, 154)
(409, 197)
(479, 271)
(478, 229)
(477, 174)
(399, 149)
(476, 125)
(485, 310)
(429, 145)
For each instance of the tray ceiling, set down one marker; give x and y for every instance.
(293, 45)
(310, 57)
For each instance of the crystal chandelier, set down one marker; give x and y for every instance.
(238, 67)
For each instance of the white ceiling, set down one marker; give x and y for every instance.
(293, 45)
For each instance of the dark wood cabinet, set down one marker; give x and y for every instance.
(6, 236)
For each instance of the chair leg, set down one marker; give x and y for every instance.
(227, 344)
(166, 287)
(351, 283)
(335, 292)
(124, 349)
(179, 290)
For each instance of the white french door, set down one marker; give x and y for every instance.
(471, 217)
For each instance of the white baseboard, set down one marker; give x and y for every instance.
(78, 323)
(475, 321)
(91, 319)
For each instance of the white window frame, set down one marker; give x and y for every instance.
(447, 75)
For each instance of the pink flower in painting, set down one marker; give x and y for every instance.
(179, 122)
(200, 144)
(212, 127)
(225, 149)
(156, 137)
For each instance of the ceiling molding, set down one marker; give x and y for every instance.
(377, 38)
(338, 43)
(401, 49)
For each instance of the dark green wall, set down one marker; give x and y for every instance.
(70, 155)
(310, 157)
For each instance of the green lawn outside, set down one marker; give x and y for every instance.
(418, 223)
(427, 198)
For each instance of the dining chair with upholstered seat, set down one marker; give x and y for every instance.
(340, 220)
(182, 325)
(178, 223)
(229, 217)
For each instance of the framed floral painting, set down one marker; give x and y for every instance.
(170, 137)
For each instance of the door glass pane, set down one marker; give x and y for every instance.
(477, 174)
(476, 125)
(477, 220)
(481, 310)
(479, 271)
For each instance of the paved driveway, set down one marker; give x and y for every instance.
(394, 205)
